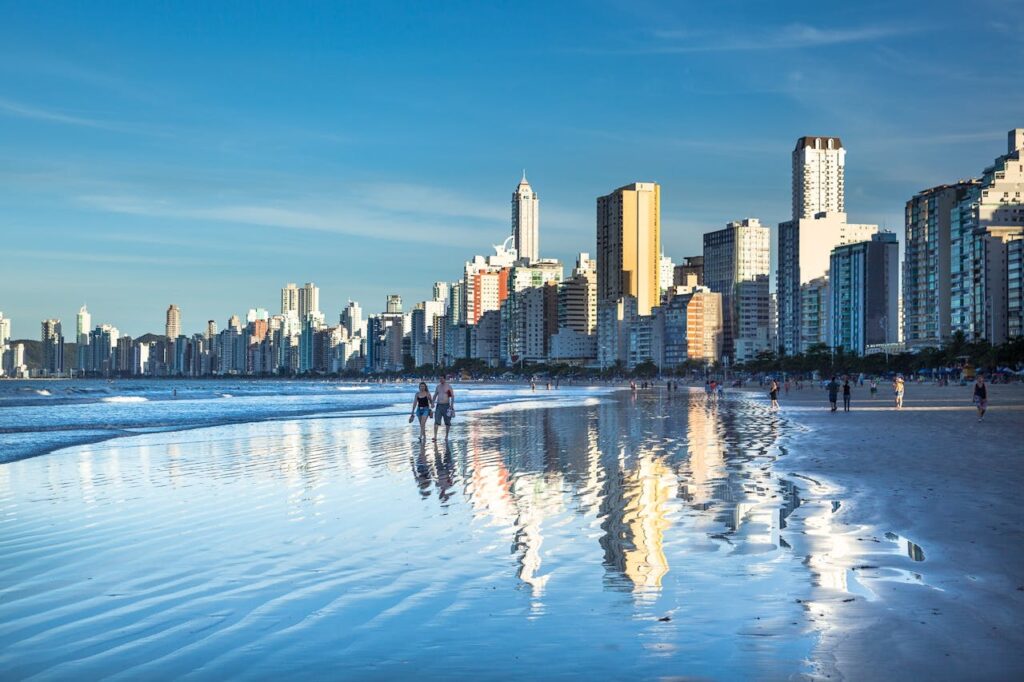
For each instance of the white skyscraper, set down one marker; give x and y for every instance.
(526, 221)
(441, 291)
(5, 330)
(309, 300)
(289, 299)
(819, 164)
(666, 269)
(818, 225)
(352, 320)
(83, 326)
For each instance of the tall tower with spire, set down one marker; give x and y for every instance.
(83, 324)
(526, 221)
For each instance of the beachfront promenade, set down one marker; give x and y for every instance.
(931, 473)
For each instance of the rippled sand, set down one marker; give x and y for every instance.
(623, 537)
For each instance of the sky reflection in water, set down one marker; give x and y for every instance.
(541, 542)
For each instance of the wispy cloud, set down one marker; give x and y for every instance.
(126, 259)
(789, 37)
(398, 212)
(21, 110)
(29, 111)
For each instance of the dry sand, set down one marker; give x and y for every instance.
(935, 475)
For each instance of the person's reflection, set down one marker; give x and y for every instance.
(445, 465)
(421, 469)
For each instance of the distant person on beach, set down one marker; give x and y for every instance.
(773, 393)
(833, 392)
(980, 396)
(897, 389)
(444, 406)
(846, 394)
(421, 407)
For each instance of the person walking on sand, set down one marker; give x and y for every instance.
(444, 406)
(846, 394)
(833, 392)
(897, 389)
(773, 393)
(421, 406)
(980, 396)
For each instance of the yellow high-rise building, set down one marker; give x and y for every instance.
(629, 245)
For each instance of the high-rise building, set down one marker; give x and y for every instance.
(6, 359)
(818, 225)
(311, 324)
(629, 245)
(352, 320)
(526, 221)
(819, 165)
(290, 299)
(691, 326)
(690, 273)
(309, 300)
(525, 313)
(102, 341)
(1015, 289)
(926, 264)
(740, 253)
(577, 298)
(53, 347)
(484, 284)
(211, 329)
(83, 326)
(864, 290)
(440, 291)
(173, 327)
(394, 303)
(982, 225)
(5, 330)
(615, 319)
(666, 273)
(815, 314)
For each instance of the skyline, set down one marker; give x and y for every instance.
(205, 159)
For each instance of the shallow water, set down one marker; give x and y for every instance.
(571, 534)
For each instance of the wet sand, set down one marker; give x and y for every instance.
(935, 475)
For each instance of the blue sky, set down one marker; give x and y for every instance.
(207, 153)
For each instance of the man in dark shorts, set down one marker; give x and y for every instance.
(444, 406)
(833, 392)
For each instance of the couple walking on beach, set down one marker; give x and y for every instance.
(833, 393)
(440, 405)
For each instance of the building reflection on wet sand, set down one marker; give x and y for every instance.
(646, 469)
(639, 466)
